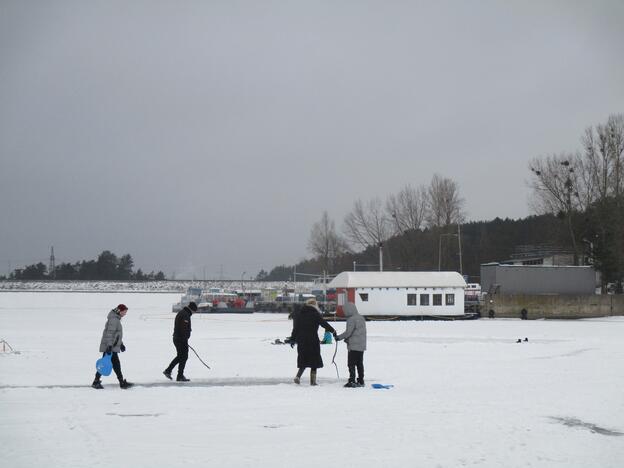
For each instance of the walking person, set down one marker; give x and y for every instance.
(355, 337)
(181, 335)
(112, 343)
(306, 323)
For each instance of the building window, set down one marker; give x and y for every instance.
(437, 299)
(411, 299)
(364, 297)
(341, 299)
(424, 299)
(450, 299)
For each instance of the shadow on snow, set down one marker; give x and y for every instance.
(229, 382)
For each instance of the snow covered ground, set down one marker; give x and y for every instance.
(465, 393)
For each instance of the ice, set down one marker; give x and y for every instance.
(465, 393)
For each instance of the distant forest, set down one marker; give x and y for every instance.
(418, 250)
(106, 267)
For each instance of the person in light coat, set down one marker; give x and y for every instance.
(112, 343)
(355, 337)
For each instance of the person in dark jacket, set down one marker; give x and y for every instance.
(305, 333)
(181, 335)
(355, 337)
(112, 343)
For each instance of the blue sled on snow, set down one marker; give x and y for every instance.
(379, 385)
(104, 365)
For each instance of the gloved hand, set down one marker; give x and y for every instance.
(109, 350)
(122, 347)
(292, 344)
(335, 334)
(336, 337)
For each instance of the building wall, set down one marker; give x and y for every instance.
(550, 260)
(393, 301)
(526, 279)
(553, 306)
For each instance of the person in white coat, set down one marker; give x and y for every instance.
(355, 337)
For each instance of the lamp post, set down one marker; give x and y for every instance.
(458, 235)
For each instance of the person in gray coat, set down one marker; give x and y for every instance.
(112, 343)
(355, 337)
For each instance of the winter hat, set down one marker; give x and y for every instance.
(121, 307)
(311, 301)
(192, 306)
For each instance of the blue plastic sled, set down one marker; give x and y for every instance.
(379, 385)
(104, 365)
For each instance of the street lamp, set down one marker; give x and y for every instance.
(458, 235)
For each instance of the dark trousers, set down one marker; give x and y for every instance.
(116, 367)
(182, 348)
(355, 359)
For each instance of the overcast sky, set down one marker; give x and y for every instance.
(210, 135)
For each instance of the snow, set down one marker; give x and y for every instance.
(465, 393)
(170, 286)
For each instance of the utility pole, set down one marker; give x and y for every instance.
(52, 269)
(460, 252)
(458, 235)
(440, 252)
(381, 256)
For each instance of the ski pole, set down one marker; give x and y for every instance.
(199, 357)
(334, 358)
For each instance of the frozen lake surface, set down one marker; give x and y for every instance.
(465, 393)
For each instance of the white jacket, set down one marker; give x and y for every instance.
(355, 334)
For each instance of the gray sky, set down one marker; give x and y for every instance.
(199, 134)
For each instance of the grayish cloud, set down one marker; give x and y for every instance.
(199, 134)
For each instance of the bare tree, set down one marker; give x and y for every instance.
(555, 183)
(408, 208)
(445, 204)
(555, 187)
(604, 156)
(325, 243)
(567, 183)
(367, 225)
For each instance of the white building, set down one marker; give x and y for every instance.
(409, 293)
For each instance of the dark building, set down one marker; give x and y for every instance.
(537, 279)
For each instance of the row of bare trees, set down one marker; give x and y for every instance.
(574, 181)
(371, 223)
(586, 188)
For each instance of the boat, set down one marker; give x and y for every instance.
(215, 300)
(191, 295)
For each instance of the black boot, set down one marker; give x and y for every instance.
(97, 384)
(360, 382)
(167, 373)
(125, 384)
(350, 384)
(313, 377)
(181, 378)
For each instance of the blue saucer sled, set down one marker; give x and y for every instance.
(379, 385)
(104, 365)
